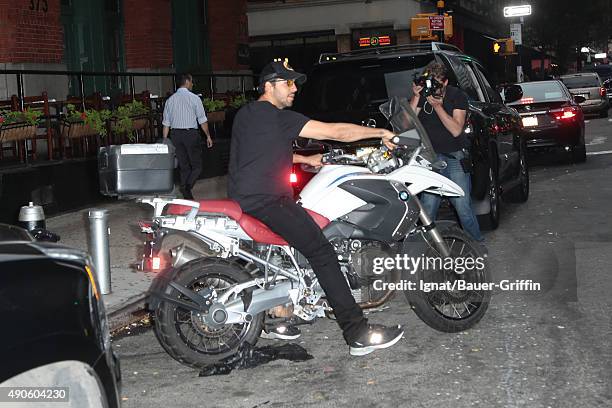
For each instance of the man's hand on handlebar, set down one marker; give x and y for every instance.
(387, 139)
(314, 160)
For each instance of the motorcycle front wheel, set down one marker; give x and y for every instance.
(446, 306)
(183, 333)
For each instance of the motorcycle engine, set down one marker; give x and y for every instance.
(359, 269)
(363, 258)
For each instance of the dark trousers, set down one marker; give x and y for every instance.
(292, 222)
(188, 148)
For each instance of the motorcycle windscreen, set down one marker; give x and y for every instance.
(405, 123)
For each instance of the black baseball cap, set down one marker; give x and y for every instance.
(280, 70)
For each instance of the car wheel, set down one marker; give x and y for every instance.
(490, 221)
(520, 193)
(579, 154)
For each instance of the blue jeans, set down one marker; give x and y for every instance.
(463, 205)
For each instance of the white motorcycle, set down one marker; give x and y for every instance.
(206, 307)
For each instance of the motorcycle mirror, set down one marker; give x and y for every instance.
(439, 165)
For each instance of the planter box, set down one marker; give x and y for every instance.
(217, 116)
(140, 122)
(73, 130)
(17, 131)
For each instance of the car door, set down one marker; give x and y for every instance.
(507, 128)
(481, 123)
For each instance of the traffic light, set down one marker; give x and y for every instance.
(504, 46)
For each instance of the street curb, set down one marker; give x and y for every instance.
(130, 312)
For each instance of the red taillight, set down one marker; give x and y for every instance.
(526, 100)
(602, 91)
(565, 113)
(146, 227)
(293, 178)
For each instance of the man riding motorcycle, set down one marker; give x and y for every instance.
(260, 163)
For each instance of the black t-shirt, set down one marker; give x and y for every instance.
(441, 139)
(261, 154)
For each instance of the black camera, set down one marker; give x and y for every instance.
(431, 86)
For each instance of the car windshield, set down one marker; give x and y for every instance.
(540, 92)
(359, 85)
(586, 81)
(406, 124)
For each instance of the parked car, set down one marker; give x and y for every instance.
(54, 327)
(552, 118)
(349, 87)
(591, 88)
(605, 73)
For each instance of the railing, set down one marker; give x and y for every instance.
(235, 84)
(245, 80)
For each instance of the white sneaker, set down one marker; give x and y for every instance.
(375, 337)
(282, 331)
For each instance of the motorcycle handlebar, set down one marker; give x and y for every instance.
(405, 141)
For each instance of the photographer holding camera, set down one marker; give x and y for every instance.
(442, 109)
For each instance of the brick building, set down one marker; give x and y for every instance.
(119, 35)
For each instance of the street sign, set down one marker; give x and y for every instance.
(516, 33)
(517, 11)
(436, 23)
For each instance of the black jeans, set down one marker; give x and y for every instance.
(292, 222)
(188, 148)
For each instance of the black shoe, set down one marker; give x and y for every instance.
(186, 192)
(375, 337)
(282, 331)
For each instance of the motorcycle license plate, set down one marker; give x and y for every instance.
(530, 121)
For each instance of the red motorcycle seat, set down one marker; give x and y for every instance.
(264, 235)
(228, 207)
(259, 231)
(254, 228)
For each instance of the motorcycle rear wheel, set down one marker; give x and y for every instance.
(183, 334)
(451, 311)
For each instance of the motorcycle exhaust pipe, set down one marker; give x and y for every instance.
(182, 254)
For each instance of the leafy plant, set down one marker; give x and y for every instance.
(31, 117)
(123, 117)
(213, 105)
(237, 101)
(93, 118)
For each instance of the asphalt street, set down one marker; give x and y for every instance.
(547, 348)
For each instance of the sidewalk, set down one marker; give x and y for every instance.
(128, 286)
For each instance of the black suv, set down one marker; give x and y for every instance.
(349, 87)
